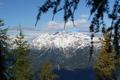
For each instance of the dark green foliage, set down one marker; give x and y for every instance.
(47, 72)
(98, 8)
(68, 7)
(106, 62)
(4, 49)
(22, 64)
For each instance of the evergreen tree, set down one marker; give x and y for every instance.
(21, 52)
(47, 72)
(106, 63)
(3, 51)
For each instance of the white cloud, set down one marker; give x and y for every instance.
(82, 22)
(84, 16)
(54, 25)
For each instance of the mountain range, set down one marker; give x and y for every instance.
(66, 49)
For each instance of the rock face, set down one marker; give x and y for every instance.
(70, 50)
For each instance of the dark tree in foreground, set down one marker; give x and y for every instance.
(46, 72)
(21, 52)
(98, 10)
(3, 51)
(106, 63)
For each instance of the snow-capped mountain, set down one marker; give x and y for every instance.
(70, 49)
(63, 40)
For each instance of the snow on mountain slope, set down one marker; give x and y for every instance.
(62, 39)
(70, 49)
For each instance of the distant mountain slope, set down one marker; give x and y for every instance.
(69, 50)
(68, 42)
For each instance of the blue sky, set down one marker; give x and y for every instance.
(16, 12)
(24, 12)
